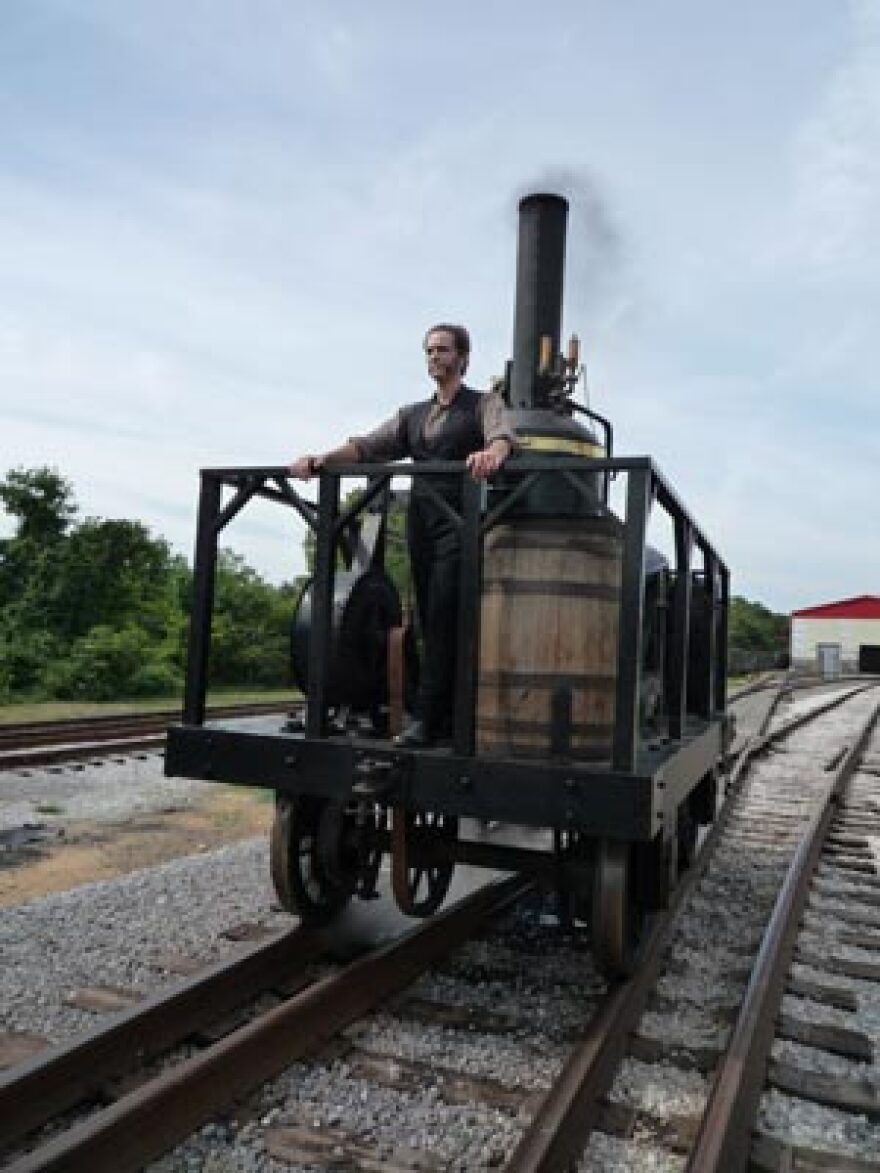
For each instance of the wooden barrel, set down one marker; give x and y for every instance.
(548, 638)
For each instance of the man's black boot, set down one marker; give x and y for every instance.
(414, 736)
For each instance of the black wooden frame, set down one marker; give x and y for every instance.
(549, 793)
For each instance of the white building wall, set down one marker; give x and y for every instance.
(807, 634)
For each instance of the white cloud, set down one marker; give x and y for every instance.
(222, 243)
(837, 161)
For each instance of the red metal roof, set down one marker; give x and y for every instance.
(860, 607)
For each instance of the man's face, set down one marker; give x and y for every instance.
(443, 359)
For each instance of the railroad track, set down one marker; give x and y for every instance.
(145, 1122)
(535, 1098)
(820, 946)
(40, 743)
(603, 1097)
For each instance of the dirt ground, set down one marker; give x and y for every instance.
(90, 850)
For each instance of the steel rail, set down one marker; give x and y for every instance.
(153, 1118)
(764, 724)
(568, 1113)
(759, 739)
(609, 1012)
(26, 759)
(34, 733)
(764, 738)
(789, 683)
(766, 681)
(23, 748)
(58, 1079)
(724, 1137)
(770, 700)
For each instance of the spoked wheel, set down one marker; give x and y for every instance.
(301, 884)
(350, 845)
(420, 885)
(619, 927)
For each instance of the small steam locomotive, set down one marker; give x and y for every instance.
(590, 691)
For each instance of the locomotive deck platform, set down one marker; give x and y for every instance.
(561, 794)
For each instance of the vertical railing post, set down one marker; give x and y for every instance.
(204, 566)
(639, 491)
(721, 649)
(680, 639)
(709, 667)
(321, 632)
(468, 634)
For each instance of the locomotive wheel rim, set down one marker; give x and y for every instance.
(408, 877)
(300, 883)
(278, 838)
(612, 915)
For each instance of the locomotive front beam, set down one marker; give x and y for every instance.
(540, 793)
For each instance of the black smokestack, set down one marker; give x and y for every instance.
(540, 265)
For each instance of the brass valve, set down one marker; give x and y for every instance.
(545, 355)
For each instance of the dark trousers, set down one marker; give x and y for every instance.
(434, 549)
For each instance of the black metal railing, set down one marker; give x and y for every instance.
(645, 487)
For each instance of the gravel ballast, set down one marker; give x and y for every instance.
(709, 963)
(103, 790)
(117, 933)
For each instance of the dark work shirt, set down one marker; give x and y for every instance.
(419, 430)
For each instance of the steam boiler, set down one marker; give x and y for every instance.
(590, 688)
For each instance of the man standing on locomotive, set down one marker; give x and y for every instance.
(456, 423)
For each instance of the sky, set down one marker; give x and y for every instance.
(226, 224)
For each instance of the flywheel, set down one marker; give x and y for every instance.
(419, 879)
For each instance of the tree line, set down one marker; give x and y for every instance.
(97, 609)
(757, 638)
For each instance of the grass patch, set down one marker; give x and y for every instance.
(257, 793)
(737, 682)
(17, 711)
(61, 710)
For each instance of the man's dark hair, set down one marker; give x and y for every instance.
(460, 337)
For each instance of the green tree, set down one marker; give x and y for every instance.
(755, 628)
(24, 654)
(109, 573)
(107, 663)
(397, 564)
(41, 500)
(99, 610)
(250, 642)
(83, 607)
